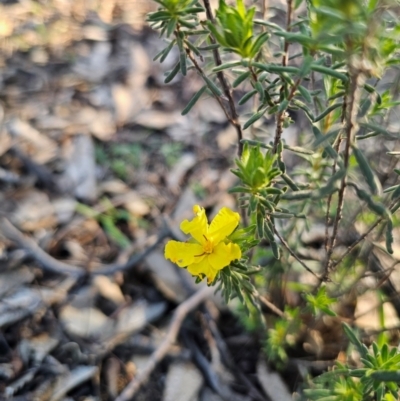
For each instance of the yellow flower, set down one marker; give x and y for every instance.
(207, 252)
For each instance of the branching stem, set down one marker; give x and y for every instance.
(350, 128)
(233, 117)
(285, 58)
(287, 247)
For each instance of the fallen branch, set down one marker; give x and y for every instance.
(158, 355)
(47, 262)
(10, 232)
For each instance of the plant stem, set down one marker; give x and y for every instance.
(234, 117)
(285, 58)
(287, 247)
(350, 128)
(336, 147)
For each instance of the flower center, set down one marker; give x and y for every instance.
(208, 246)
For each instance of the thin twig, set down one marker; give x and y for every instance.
(158, 355)
(336, 147)
(285, 58)
(203, 75)
(355, 243)
(234, 117)
(287, 247)
(47, 262)
(10, 232)
(271, 306)
(350, 129)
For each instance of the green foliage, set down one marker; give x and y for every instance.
(234, 29)
(320, 303)
(235, 281)
(108, 219)
(377, 379)
(326, 65)
(281, 337)
(173, 13)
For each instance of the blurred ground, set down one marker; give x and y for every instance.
(96, 166)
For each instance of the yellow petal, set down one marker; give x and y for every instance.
(203, 268)
(223, 255)
(197, 227)
(183, 253)
(223, 225)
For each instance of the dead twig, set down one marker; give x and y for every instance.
(9, 231)
(271, 306)
(158, 355)
(47, 262)
(350, 128)
(287, 247)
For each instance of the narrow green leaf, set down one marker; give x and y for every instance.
(193, 10)
(320, 138)
(389, 236)
(306, 109)
(306, 66)
(283, 105)
(275, 68)
(268, 24)
(192, 47)
(371, 135)
(186, 24)
(260, 91)
(273, 191)
(242, 77)
(329, 71)
(377, 207)
(247, 97)
(173, 73)
(268, 231)
(292, 185)
(366, 170)
(334, 13)
(260, 224)
(352, 337)
(164, 53)
(298, 149)
(280, 215)
(379, 129)
(193, 100)
(337, 95)
(226, 65)
(297, 38)
(209, 47)
(386, 375)
(182, 55)
(171, 27)
(275, 249)
(239, 189)
(358, 372)
(305, 93)
(298, 195)
(396, 193)
(327, 111)
(254, 118)
(214, 88)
